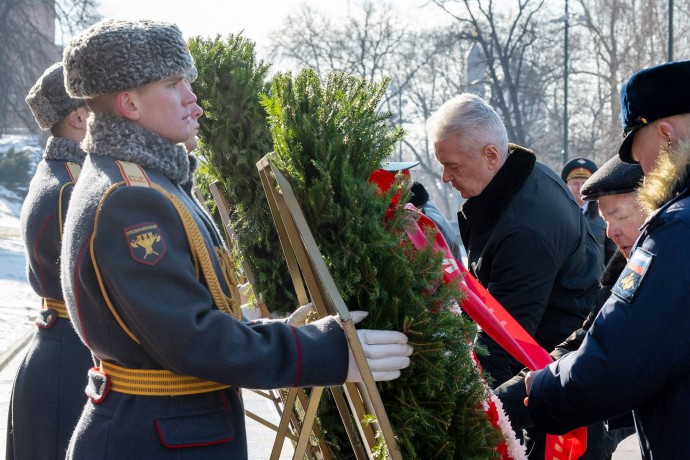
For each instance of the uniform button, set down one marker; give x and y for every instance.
(49, 318)
(101, 389)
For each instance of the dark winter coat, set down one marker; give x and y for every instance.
(163, 300)
(636, 356)
(48, 393)
(608, 279)
(529, 244)
(600, 443)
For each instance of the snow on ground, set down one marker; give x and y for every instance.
(18, 303)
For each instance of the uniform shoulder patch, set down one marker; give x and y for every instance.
(632, 275)
(146, 243)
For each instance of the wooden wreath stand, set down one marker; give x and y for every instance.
(312, 281)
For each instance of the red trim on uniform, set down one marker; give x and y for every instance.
(299, 357)
(36, 256)
(69, 173)
(182, 446)
(76, 290)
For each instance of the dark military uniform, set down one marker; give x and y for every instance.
(48, 394)
(145, 279)
(584, 168)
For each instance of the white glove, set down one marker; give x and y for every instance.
(387, 352)
(250, 312)
(245, 291)
(298, 318)
(358, 315)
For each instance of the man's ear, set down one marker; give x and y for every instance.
(670, 131)
(77, 118)
(493, 156)
(126, 105)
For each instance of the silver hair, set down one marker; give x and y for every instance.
(471, 117)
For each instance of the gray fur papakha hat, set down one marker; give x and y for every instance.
(117, 55)
(48, 100)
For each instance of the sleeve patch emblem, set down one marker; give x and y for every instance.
(146, 243)
(632, 275)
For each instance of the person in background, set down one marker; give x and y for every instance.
(421, 200)
(147, 277)
(384, 177)
(614, 187)
(636, 355)
(574, 174)
(527, 241)
(48, 391)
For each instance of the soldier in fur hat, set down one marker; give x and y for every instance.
(636, 356)
(48, 396)
(147, 277)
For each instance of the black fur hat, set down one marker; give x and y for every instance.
(116, 55)
(48, 100)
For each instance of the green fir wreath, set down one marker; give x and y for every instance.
(327, 137)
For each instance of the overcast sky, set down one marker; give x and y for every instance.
(258, 18)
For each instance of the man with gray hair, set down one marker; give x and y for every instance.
(527, 241)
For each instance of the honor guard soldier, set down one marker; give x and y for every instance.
(636, 355)
(148, 279)
(48, 392)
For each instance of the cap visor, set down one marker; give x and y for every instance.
(393, 166)
(625, 150)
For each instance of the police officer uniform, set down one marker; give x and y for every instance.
(149, 283)
(48, 395)
(585, 168)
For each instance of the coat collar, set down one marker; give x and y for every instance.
(484, 210)
(125, 140)
(65, 149)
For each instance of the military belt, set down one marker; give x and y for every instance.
(155, 382)
(57, 305)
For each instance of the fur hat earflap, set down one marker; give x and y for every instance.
(116, 55)
(48, 100)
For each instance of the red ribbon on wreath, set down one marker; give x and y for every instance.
(490, 315)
